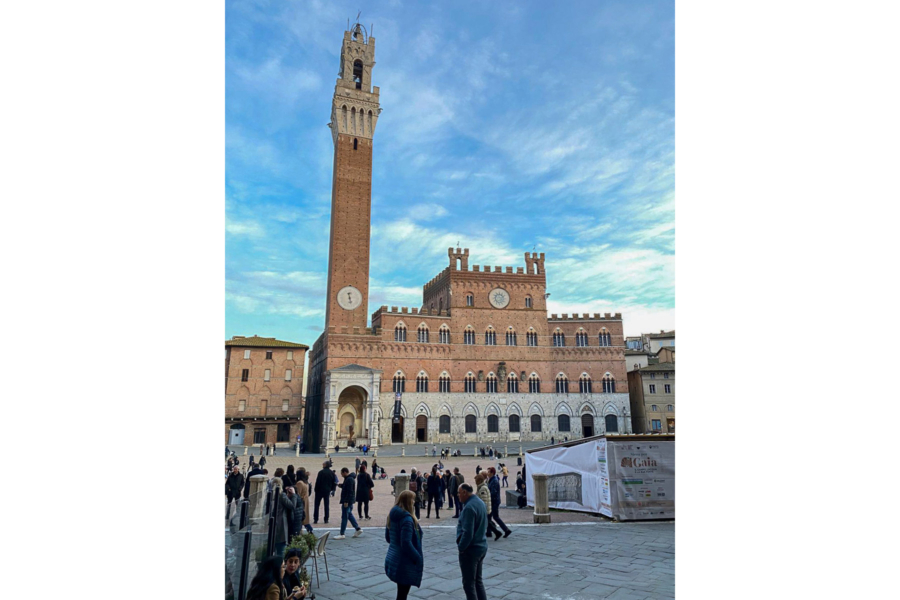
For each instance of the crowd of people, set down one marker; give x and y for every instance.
(476, 507)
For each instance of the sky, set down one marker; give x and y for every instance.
(506, 127)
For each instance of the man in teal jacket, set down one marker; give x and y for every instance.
(471, 541)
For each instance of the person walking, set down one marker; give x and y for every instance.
(357, 464)
(435, 485)
(471, 542)
(505, 472)
(494, 487)
(348, 493)
(324, 488)
(260, 449)
(405, 560)
(433, 450)
(552, 440)
(374, 468)
(364, 486)
(262, 462)
(482, 491)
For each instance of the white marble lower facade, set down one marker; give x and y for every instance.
(592, 409)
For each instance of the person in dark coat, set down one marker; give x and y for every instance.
(289, 478)
(405, 560)
(494, 486)
(348, 495)
(324, 487)
(471, 542)
(262, 462)
(234, 485)
(364, 483)
(357, 464)
(283, 517)
(446, 478)
(257, 470)
(435, 485)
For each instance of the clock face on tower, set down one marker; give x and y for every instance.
(349, 298)
(499, 298)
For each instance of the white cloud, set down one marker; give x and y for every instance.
(250, 229)
(296, 293)
(426, 212)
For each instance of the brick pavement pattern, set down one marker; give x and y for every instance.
(619, 561)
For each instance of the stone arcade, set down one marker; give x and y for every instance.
(480, 360)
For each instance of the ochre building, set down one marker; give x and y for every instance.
(480, 359)
(263, 390)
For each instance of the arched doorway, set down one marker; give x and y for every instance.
(612, 424)
(397, 431)
(236, 435)
(587, 425)
(349, 422)
(421, 428)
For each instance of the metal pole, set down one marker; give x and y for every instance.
(268, 502)
(245, 511)
(245, 563)
(272, 520)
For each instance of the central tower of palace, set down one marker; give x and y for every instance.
(354, 114)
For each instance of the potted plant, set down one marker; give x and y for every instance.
(260, 555)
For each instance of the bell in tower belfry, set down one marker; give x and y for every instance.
(354, 115)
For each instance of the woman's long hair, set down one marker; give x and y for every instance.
(269, 572)
(290, 471)
(406, 500)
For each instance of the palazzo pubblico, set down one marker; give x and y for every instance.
(479, 361)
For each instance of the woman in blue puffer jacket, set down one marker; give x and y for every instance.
(404, 562)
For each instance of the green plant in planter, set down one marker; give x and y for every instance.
(305, 543)
(260, 554)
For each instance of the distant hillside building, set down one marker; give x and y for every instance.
(263, 390)
(652, 392)
(479, 360)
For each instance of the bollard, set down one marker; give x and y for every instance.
(257, 488)
(245, 450)
(402, 452)
(276, 508)
(401, 483)
(268, 502)
(520, 449)
(541, 498)
(426, 451)
(506, 450)
(298, 451)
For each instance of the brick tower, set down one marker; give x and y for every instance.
(354, 113)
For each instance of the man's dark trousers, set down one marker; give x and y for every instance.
(495, 516)
(319, 498)
(470, 563)
(456, 503)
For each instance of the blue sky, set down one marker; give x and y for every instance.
(506, 126)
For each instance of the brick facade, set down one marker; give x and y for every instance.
(258, 404)
(352, 366)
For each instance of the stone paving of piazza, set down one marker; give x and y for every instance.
(578, 556)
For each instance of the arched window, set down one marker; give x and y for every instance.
(654, 408)
(422, 383)
(564, 423)
(490, 338)
(470, 424)
(562, 384)
(400, 333)
(470, 300)
(670, 408)
(581, 339)
(422, 334)
(491, 384)
(584, 384)
(559, 339)
(358, 73)
(444, 383)
(531, 338)
(399, 383)
(469, 336)
(514, 424)
(512, 383)
(527, 301)
(612, 423)
(511, 338)
(493, 424)
(605, 338)
(534, 384)
(470, 383)
(609, 384)
(444, 424)
(444, 334)
(535, 422)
